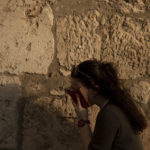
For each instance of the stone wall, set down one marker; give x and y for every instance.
(41, 40)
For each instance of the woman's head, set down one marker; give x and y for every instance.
(91, 72)
(100, 77)
(95, 76)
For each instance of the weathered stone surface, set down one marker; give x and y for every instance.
(122, 39)
(64, 72)
(67, 110)
(57, 92)
(52, 124)
(128, 6)
(27, 43)
(10, 93)
(46, 128)
(141, 92)
(65, 106)
(116, 31)
(39, 85)
(77, 39)
(34, 85)
(126, 42)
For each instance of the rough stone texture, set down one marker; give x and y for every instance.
(77, 39)
(130, 7)
(36, 85)
(141, 92)
(64, 105)
(46, 128)
(51, 124)
(64, 72)
(27, 43)
(10, 93)
(57, 92)
(110, 30)
(126, 43)
(122, 39)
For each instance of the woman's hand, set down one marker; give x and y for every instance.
(82, 113)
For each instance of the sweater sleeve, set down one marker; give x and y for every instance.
(106, 128)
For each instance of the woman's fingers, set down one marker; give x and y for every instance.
(79, 103)
(77, 106)
(81, 112)
(74, 104)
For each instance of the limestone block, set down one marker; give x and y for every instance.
(65, 106)
(34, 85)
(128, 6)
(141, 92)
(77, 39)
(27, 42)
(57, 92)
(127, 44)
(10, 93)
(46, 128)
(52, 124)
(64, 72)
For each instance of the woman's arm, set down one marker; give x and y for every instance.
(86, 135)
(85, 131)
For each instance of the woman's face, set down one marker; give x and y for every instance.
(87, 93)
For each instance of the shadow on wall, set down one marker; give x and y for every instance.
(33, 123)
(44, 127)
(9, 96)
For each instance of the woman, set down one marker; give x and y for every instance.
(119, 121)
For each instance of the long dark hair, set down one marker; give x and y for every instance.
(104, 75)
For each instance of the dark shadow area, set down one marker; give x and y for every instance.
(44, 128)
(20, 107)
(10, 94)
(33, 123)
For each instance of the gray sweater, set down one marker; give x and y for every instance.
(113, 131)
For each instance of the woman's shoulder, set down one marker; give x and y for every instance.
(109, 115)
(111, 110)
(111, 107)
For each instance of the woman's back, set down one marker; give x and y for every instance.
(113, 131)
